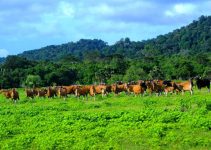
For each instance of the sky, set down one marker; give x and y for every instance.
(31, 24)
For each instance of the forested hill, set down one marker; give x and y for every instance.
(191, 39)
(55, 52)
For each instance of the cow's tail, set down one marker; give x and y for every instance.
(191, 86)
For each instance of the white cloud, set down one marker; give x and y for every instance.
(50, 22)
(3, 53)
(103, 9)
(181, 9)
(66, 9)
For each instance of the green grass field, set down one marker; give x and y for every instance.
(115, 122)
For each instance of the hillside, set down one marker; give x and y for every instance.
(54, 52)
(193, 38)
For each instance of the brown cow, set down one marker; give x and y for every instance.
(42, 93)
(30, 93)
(168, 89)
(6, 93)
(142, 83)
(14, 95)
(100, 89)
(51, 92)
(108, 89)
(70, 89)
(136, 89)
(185, 86)
(171, 87)
(154, 87)
(119, 88)
(84, 91)
(35, 91)
(62, 92)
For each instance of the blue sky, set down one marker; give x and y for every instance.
(30, 24)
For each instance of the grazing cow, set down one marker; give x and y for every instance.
(70, 89)
(14, 95)
(171, 87)
(202, 83)
(30, 93)
(136, 89)
(62, 92)
(42, 93)
(108, 89)
(168, 89)
(100, 89)
(84, 91)
(154, 87)
(7, 93)
(185, 86)
(119, 88)
(35, 91)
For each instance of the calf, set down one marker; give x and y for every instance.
(172, 87)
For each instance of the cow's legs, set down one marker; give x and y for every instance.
(191, 92)
(183, 92)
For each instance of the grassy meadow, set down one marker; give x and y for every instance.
(115, 122)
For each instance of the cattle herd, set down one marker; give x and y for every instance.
(139, 87)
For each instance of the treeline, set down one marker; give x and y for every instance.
(189, 40)
(19, 72)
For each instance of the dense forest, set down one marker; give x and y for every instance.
(181, 54)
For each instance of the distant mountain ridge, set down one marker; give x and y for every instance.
(191, 39)
(54, 52)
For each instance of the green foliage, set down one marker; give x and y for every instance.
(109, 70)
(13, 62)
(33, 81)
(123, 122)
(135, 72)
(56, 52)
